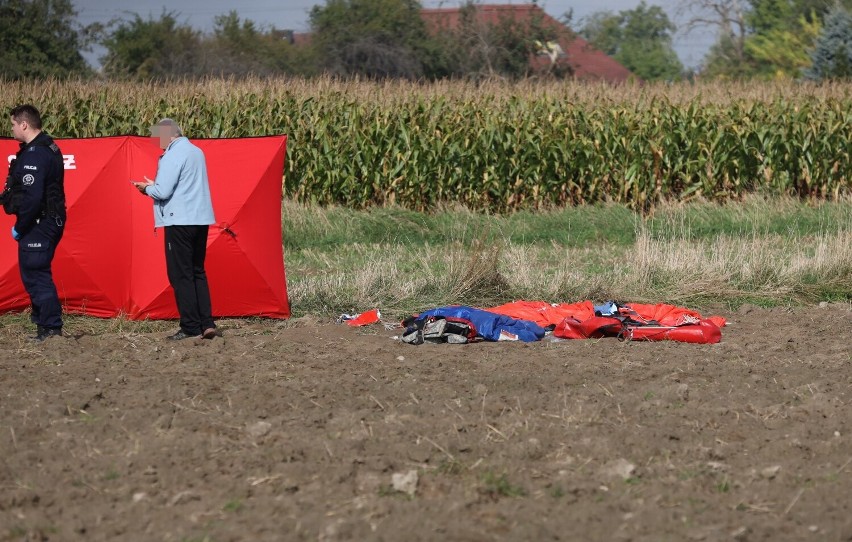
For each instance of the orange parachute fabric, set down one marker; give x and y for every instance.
(670, 315)
(634, 321)
(545, 314)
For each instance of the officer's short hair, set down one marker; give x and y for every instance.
(173, 126)
(28, 113)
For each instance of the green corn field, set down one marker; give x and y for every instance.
(497, 146)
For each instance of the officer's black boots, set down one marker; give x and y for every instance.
(45, 332)
(209, 333)
(180, 335)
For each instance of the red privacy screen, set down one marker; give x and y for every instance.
(111, 260)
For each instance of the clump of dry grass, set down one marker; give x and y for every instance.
(769, 267)
(473, 273)
(399, 279)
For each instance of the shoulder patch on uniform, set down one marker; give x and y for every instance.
(34, 168)
(28, 179)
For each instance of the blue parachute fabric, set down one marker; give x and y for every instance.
(488, 324)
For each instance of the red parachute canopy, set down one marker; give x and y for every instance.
(111, 260)
(633, 321)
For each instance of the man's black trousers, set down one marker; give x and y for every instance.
(186, 248)
(35, 255)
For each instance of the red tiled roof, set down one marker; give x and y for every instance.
(586, 62)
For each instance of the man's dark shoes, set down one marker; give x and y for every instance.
(180, 335)
(210, 333)
(47, 332)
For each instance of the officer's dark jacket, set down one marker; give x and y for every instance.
(40, 170)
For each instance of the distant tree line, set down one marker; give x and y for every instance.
(389, 39)
(366, 38)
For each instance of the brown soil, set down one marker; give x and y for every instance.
(295, 430)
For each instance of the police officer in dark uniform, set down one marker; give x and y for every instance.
(35, 194)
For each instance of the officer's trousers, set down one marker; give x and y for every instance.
(186, 249)
(35, 255)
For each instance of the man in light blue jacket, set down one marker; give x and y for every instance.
(182, 206)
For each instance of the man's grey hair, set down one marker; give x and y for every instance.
(173, 124)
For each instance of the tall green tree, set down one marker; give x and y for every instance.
(152, 48)
(640, 39)
(781, 35)
(40, 38)
(241, 47)
(832, 55)
(372, 38)
(603, 30)
(760, 38)
(783, 51)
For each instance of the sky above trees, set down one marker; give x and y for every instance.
(293, 15)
